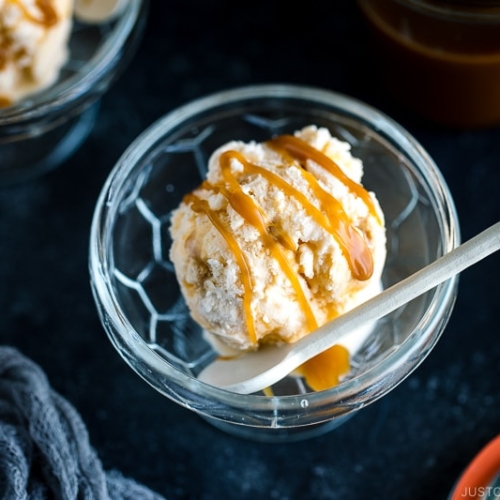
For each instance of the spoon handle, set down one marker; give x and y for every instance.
(254, 371)
(444, 268)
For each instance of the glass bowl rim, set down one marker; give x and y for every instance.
(353, 393)
(75, 87)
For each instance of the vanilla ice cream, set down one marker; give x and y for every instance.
(280, 238)
(33, 45)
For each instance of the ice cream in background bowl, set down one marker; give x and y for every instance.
(221, 230)
(34, 46)
(56, 61)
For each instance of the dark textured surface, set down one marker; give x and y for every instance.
(413, 444)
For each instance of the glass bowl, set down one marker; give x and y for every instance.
(40, 132)
(138, 298)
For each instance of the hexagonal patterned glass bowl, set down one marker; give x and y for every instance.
(40, 132)
(135, 287)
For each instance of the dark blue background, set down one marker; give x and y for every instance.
(412, 444)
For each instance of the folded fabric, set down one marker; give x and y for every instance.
(44, 445)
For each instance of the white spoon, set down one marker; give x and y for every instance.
(257, 370)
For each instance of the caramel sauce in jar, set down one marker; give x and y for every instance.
(440, 59)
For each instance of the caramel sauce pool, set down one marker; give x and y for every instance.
(324, 370)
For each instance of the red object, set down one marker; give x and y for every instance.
(479, 475)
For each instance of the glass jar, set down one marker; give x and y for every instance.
(441, 59)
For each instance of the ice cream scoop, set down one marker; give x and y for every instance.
(280, 238)
(33, 45)
(257, 370)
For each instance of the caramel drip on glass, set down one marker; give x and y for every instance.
(49, 16)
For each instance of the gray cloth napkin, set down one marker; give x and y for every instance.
(45, 452)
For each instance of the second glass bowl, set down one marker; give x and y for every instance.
(138, 297)
(43, 130)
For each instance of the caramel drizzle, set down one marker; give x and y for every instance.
(245, 206)
(201, 206)
(49, 16)
(4, 102)
(330, 216)
(3, 56)
(304, 151)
